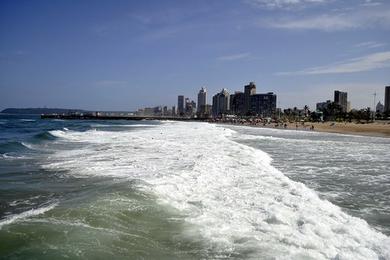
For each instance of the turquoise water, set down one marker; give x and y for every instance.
(176, 190)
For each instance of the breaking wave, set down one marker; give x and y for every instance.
(238, 201)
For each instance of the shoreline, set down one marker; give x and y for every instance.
(376, 129)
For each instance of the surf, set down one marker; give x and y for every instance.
(238, 201)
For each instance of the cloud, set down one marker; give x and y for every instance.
(366, 63)
(107, 83)
(233, 57)
(284, 4)
(370, 3)
(370, 45)
(362, 19)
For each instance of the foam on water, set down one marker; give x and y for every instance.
(110, 126)
(26, 214)
(240, 203)
(27, 120)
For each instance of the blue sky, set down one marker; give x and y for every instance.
(122, 55)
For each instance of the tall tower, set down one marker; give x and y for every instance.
(202, 99)
(180, 105)
(221, 103)
(340, 98)
(249, 90)
(387, 99)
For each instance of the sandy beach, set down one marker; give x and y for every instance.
(380, 129)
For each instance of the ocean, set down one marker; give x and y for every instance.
(189, 190)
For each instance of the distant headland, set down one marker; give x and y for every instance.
(39, 111)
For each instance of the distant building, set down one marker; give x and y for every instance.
(221, 103)
(387, 99)
(341, 98)
(237, 103)
(202, 100)
(321, 106)
(157, 111)
(380, 108)
(190, 107)
(348, 106)
(165, 111)
(249, 90)
(205, 111)
(148, 111)
(180, 105)
(173, 111)
(263, 105)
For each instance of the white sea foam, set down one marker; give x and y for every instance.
(12, 157)
(26, 214)
(27, 145)
(134, 125)
(231, 192)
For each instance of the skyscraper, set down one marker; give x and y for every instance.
(340, 98)
(387, 99)
(263, 105)
(202, 99)
(249, 90)
(221, 103)
(180, 105)
(237, 103)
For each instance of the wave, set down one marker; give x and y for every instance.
(27, 120)
(13, 146)
(45, 136)
(239, 202)
(26, 214)
(134, 125)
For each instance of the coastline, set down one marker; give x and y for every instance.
(376, 129)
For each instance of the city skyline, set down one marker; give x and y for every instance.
(122, 56)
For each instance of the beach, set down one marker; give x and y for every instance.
(379, 129)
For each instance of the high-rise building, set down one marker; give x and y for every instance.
(180, 105)
(202, 99)
(340, 98)
(387, 99)
(263, 105)
(237, 103)
(190, 107)
(165, 111)
(173, 111)
(249, 90)
(221, 103)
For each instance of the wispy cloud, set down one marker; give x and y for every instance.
(370, 3)
(233, 57)
(334, 21)
(108, 83)
(284, 4)
(370, 45)
(365, 63)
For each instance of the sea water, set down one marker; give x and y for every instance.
(189, 190)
